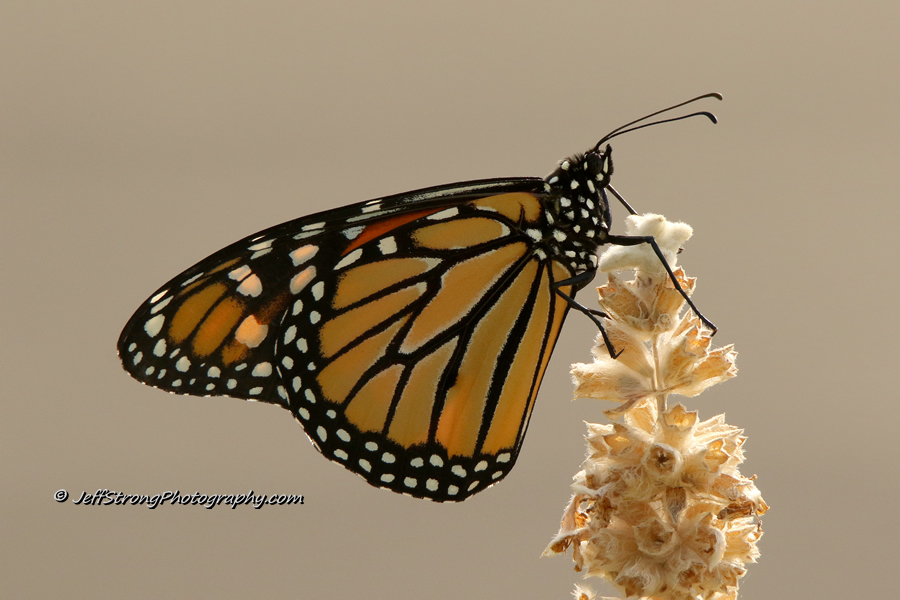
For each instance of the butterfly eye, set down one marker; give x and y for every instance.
(595, 163)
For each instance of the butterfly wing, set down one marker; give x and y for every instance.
(408, 334)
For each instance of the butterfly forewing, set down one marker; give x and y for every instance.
(408, 334)
(210, 331)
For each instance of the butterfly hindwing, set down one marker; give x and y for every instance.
(417, 368)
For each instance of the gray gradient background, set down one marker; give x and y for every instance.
(136, 141)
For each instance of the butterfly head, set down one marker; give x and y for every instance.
(579, 208)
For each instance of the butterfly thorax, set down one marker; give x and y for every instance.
(577, 216)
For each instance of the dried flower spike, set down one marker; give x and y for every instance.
(660, 509)
(664, 349)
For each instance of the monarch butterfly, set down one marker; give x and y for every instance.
(408, 334)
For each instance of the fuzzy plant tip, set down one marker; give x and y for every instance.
(660, 508)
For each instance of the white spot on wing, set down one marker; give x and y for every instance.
(349, 259)
(302, 279)
(387, 245)
(353, 232)
(239, 273)
(154, 326)
(160, 306)
(261, 245)
(263, 369)
(250, 332)
(192, 279)
(251, 286)
(303, 254)
(444, 214)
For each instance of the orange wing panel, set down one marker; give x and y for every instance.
(463, 412)
(461, 288)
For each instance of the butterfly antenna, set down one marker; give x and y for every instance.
(627, 127)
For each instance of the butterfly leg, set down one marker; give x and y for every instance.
(591, 314)
(628, 240)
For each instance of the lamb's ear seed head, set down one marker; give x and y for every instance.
(654, 489)
(662, 484)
